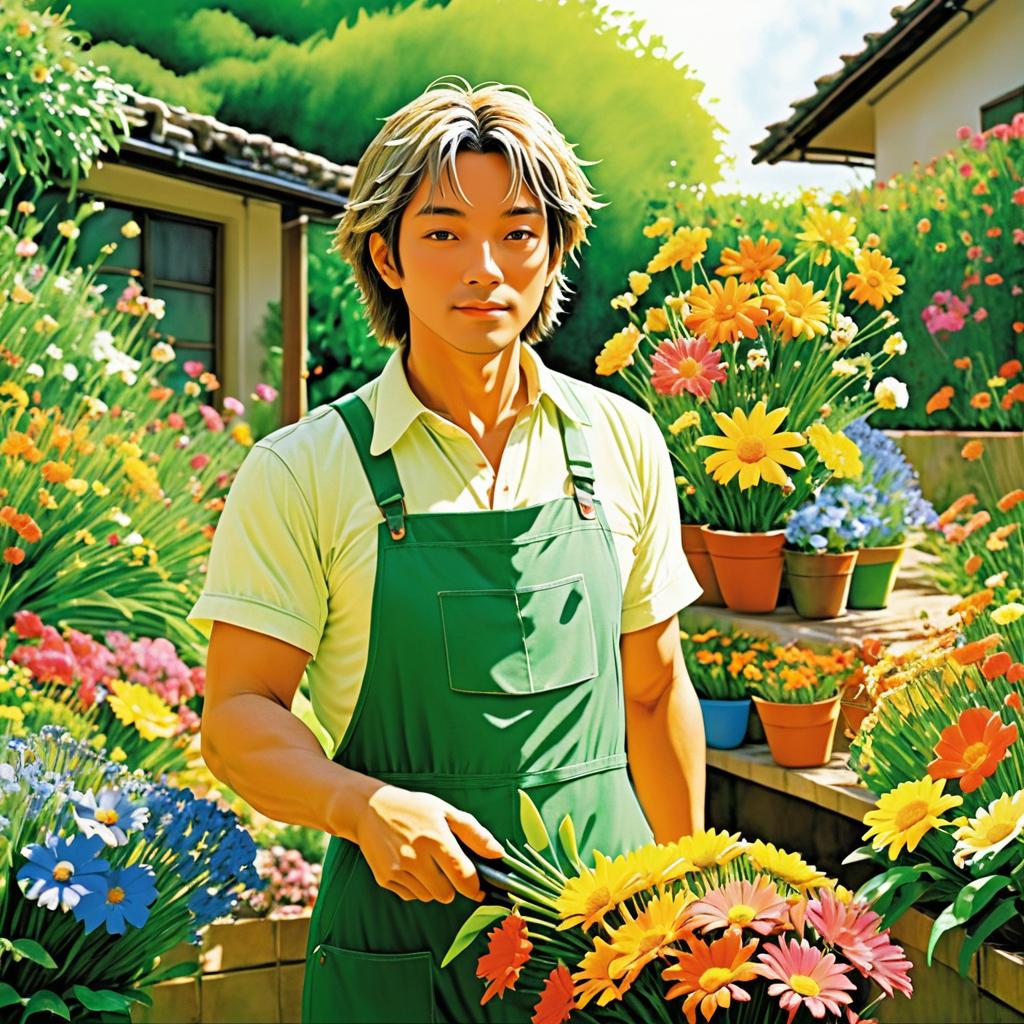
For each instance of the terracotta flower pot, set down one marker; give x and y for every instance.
(819, 583)
(696, 552)
(799, 735)
(874, 576)
(854, 714)
(748, 567)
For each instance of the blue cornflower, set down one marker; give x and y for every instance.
(62, 871)
(110, 815)
(123, 900)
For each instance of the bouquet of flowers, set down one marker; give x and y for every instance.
(712, 357)
(727, 927)
(102, 876)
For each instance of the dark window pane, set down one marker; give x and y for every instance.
(174, 374)
(188, 316)
(105, 226)
(182, 252)
(116, 282)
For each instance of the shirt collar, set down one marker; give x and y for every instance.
(397, 405)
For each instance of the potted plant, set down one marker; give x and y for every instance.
(893, 490)
(721, 666)
(712, 358)
(797, 700)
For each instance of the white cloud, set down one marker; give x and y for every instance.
(756, 57)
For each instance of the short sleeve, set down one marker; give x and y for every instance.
(264, 570)
(661, 581)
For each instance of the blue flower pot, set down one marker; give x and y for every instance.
(725, 722)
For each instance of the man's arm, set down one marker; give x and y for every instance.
(664, 730)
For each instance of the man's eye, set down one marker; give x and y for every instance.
(521, 231)
(439, 231)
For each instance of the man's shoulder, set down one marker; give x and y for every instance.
(608, 410)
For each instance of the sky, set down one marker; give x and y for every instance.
(755, 58)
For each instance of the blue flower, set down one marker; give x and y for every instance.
(62, 871)
(123, 900)
(109, 816)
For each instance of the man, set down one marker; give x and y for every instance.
(482, 558)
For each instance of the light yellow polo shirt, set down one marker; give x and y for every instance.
(295, 549)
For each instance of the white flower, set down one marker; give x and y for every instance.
(96, 405)
(183, 441)
(889, 318)
(161, 352)
(891, 393)
(62, 284)
(54, 352)
(121, 518)
(133, 538)
(895, 345)
(757, 358)
(845, 330)
(844, 368)
(70, 372)
(35, 370)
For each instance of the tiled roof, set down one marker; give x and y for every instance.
(189, 134)
(787, 134)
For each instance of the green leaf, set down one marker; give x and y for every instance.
(908, 897)
(31, 950)
(44, 999)
(533, 824)
(945, 922)
(100, 998)
(976, 895)
(999, 915)
(480, 919)
(567, 837)
(882, 888)
(8, 995)
(861, 853)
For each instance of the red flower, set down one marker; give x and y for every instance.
(970, 749)
(556, 1001)
(996, 665)
(508, 949)
(1012, 700)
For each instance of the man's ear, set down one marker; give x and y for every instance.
(381, 256)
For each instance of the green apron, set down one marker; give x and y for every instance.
(493, 665)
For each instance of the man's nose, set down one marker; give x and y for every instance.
(483, 266)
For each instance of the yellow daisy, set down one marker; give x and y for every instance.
(825, 230)
(876, 281)
(657, 864)
(685, 246)
(752, 260)
(618, 351)
(906, 813)
(662, 226)
(641, 939)
(690, 418)
(991, 829)
(708, 848)
(751, 447)
(789, 867)
(796, 310)
(587, 897)
(135, 704)
(837, 451)
(593, 979)
(726, 312)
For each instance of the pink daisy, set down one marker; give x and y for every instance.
(755, 905)
(805, 977)
(854, 929)
(681, 365)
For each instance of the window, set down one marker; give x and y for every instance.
(174, 258)
(1001, 111)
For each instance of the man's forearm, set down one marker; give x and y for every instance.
(274, 762)
(665, 741)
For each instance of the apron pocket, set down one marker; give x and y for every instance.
(369, 988)
(519, 642)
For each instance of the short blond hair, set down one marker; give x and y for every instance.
(431, 130)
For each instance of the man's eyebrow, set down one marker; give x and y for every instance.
(451, 211)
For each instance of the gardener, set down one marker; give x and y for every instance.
(458, 545)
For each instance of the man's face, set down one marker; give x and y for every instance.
(456, 255)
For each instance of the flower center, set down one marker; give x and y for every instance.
(714, 978)
(598, 898)
(741, 914)
(996, 832)
(750, 449)
(63, 870)
(107, 816)
(975, 754)
(873, 280)
(804, 985)
(910, 814)
(115, 895)
(689, 367)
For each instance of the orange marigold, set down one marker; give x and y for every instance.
(970, 653)
(972, 565)
(996, 665)
(1010, 368)
(508, 949)
(970, 749)
(972, 451)
(940, 400)
(1011, 498)
(556, 1001)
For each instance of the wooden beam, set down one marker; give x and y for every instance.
(294, 309)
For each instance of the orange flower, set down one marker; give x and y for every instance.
(968, 654)
(1012, 700)
(508, 948)
(56, 472)
(1011, 498)
(981, 400)
(14, 555)
(1015, 672)
(964, 502)
(940, 400)
(1010, 368)
(970, 749)
(707, 974)
(996, 665)
(1016, 393)
(963, 363)
(993, 279)
(972, 565)
(972, 451)
(556, 999)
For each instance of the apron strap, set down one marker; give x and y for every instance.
(577, 457)
(380, 469)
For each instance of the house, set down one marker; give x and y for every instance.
(939, 65)
(224, 215)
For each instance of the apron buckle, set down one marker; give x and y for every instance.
(585, 501)
(395, 517)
